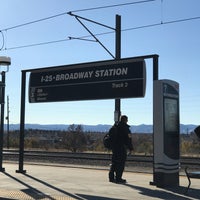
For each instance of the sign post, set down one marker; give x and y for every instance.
(117, 112)
(40, 81)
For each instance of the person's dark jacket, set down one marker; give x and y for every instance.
(123, 137)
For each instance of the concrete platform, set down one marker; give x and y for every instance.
(82, 182)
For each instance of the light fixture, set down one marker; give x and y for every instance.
(5, 61)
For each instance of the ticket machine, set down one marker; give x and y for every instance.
(166, 133)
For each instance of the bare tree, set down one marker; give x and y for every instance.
(75, 139)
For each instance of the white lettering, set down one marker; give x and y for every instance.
(111, 72)
(75, 75)
(72, 76)
(81, 75)
(85, 75)
(90, 74)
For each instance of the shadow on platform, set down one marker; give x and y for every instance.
(37, 194)
(151, 191)
(177, 193)
(92, 197)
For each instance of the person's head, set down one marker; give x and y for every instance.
(124, 118)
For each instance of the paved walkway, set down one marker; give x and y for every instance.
(81, 183)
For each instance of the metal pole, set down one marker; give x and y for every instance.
(2, 120)
(117, 57)
(155, 77)
(8, 131)
(155, 67)
(22, 119)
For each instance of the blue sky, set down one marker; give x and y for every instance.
(177, 44)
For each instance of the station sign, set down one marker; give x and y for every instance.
(124, 78)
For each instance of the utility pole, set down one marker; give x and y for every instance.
(117, 112)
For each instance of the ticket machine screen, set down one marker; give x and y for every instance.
(171, 115)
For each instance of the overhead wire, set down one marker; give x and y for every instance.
(80, 10)
(112, 6)
(37, 44)
(33, 22)
(182, 20)
(3, 41)
(88, 36)
(58, 15)
(162, 23)
(105, 33)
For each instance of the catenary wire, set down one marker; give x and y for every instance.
(105, 33)
(35, 21)
(112, 6)
(58, 15)
(2, 46)
(64, 13)
(37, 44)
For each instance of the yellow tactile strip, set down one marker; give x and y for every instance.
(20, 195)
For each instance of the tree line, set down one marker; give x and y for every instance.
(75, 139)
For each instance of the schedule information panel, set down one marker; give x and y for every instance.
(90, 81)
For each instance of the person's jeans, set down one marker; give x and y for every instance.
(118, 163)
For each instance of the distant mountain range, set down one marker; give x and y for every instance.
(142, 128)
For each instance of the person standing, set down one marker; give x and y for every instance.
(122, 142)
